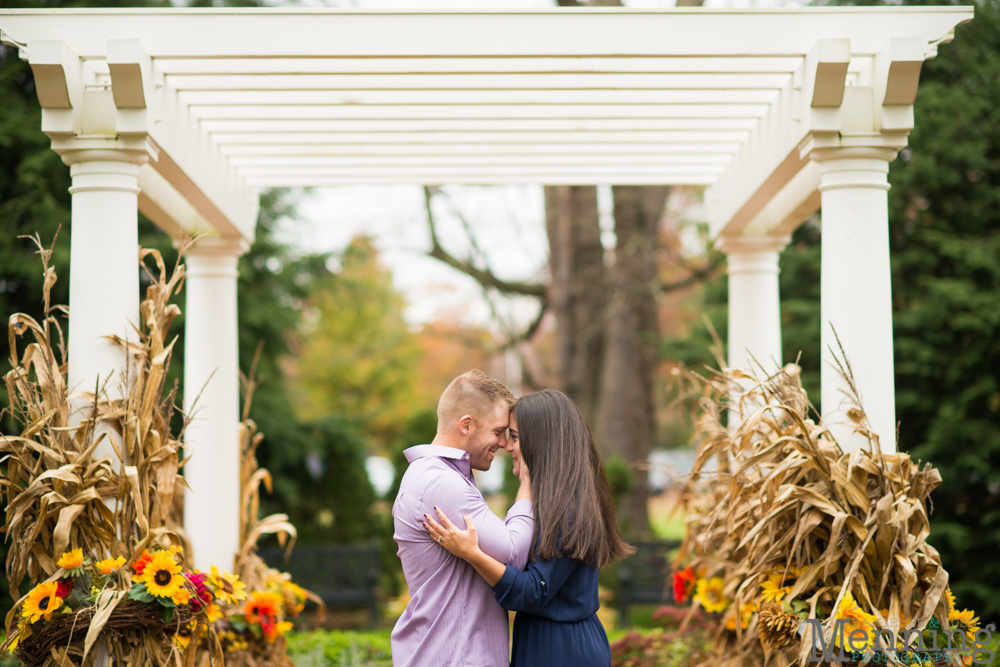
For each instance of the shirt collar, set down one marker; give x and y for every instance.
(460, 457)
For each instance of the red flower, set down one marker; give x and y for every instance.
(63, 588)
(683, 585)
(202, 594)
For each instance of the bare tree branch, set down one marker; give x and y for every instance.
(484, 277)
(697, 275)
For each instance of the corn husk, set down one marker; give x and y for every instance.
(783, 494)
(59, 496)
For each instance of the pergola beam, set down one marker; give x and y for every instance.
(494, 67)
(367, 99)
(596, 112)
(584, 33)
(265, 135)
(293, 151)
(460, 83)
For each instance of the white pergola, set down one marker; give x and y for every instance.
(186, 115)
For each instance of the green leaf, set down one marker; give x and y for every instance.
(239, 625)
(139, 593)
(168, 614)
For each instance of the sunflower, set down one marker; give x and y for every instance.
(213, 612)
(779, 583)
(964, 620)
(23, 632)
(162, 575)
(183, 637)
(109, 565)
(41, 602)
(747, 610)
(228, 587)
(857, 619)
(709, 595)
(71, 560)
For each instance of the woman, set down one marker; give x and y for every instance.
(576, 533)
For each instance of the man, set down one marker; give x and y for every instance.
(452, 618)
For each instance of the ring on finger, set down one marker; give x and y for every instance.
(439, 539)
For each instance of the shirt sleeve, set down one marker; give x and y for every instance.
(532, 590)
(506, 541)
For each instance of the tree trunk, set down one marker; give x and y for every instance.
(577, 292)
(626, 423)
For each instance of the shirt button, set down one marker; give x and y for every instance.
(465, 456)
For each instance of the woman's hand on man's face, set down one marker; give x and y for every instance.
(462, 543)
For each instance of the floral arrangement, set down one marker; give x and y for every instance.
(793, 545)
(120, 589)
(162, 595)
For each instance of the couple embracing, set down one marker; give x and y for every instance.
(466, 568)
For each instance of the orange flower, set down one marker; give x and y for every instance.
(109, 565)
(71, 559)
(262, 604)
(140, 564)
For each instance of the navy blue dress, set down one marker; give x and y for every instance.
(556, 624)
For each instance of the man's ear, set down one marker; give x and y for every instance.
(466, 425)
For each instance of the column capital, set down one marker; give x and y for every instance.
(751, 243)
(215, 246)
(135, 149)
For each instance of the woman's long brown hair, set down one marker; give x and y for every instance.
(571, 496)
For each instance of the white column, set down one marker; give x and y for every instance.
(104, 263)
(856, 291)
(211, 369)
(754, 307)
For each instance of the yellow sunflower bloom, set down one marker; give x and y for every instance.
(109, 565)
(71, 559)
(779, 584)
(747, 610)
(857, 619)
(23, 632)
(41, 602)
(162, 575)
(965, 619)
(183, 637)
(213, 612)
(708, 593)
(228, 587)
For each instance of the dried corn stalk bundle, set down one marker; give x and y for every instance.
(788, 527)
(254, 636)
(99, 514)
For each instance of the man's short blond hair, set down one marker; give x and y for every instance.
(475, 394)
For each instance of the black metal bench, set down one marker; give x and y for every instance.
(343, 575)
(642, 577)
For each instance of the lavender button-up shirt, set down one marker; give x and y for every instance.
(452, 619)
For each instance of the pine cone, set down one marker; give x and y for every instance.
(776, 627)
